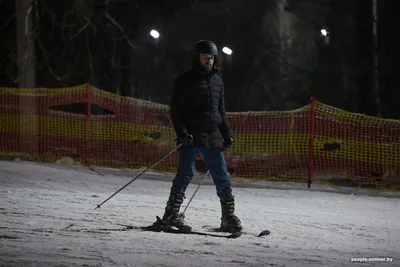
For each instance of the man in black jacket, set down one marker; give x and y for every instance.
(197, 111)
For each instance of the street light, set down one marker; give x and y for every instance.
(227, 50)
(155, 34)
(325, 35)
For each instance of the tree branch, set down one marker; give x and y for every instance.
(89, 57)
(50, 68)
(7, 21)
(114, 50)
(8, 55)
(87, 24)
(119, 27)
(28, 13)
(13, 77)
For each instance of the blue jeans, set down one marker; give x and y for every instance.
(215, 162)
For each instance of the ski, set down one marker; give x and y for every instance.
(152, 229)
(211, 228)
(173, 230)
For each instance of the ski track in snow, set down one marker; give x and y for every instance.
(47, 218)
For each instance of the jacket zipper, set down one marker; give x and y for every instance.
(210, 103)
(210, 95)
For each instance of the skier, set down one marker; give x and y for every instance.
(197, 109)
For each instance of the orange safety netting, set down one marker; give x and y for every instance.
(317, 142)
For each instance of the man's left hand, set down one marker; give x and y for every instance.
(228, 142)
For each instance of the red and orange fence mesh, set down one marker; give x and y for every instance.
(315, 143)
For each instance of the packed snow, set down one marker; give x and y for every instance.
(48, 218)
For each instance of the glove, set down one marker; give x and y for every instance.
(186, 140)
(228, 142)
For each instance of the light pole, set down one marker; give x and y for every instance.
(325, 34)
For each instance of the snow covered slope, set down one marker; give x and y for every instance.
(47, 218)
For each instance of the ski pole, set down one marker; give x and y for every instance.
(197, 189)
(169, 153)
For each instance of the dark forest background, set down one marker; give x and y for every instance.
(280, 57)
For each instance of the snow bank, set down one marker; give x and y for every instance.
(47, 218)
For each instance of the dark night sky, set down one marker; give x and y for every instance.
(265, 72)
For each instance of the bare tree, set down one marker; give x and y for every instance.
(25, 43)
(26, 70)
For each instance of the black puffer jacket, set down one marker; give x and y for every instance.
(197, 107)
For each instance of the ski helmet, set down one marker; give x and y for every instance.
(206, 47)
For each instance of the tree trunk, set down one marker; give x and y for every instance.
(365, 42)
(389, 43)
(26, 76)
(25, 44)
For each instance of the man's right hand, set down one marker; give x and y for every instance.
(186, 140)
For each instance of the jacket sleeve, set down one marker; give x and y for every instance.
(176, 110)
(224, 127)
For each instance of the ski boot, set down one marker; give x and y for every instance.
(171, 217)
(229, 221)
